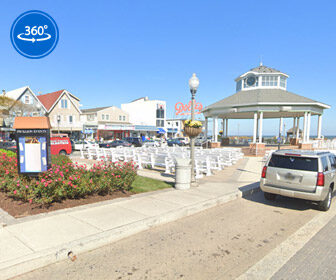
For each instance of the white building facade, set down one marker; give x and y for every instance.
(147, 116)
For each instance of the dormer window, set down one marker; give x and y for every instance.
(282, 82)
(239, 86)
(269, 81)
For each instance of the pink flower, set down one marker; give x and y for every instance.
(15, 192)
(30, 201)
(27, 187)
(90, 180)
(18, 184)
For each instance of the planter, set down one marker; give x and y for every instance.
(192, 131)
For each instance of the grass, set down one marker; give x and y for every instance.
(144, 184)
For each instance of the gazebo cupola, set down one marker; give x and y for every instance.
(261, 77)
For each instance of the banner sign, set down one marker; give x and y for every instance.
(185, 109)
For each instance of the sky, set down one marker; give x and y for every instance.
(112, 52)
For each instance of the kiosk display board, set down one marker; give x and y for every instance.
(33, 147)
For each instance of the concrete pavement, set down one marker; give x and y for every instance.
(32, 242)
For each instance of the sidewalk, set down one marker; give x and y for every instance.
(32, 242)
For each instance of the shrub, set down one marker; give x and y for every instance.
(59, 159)
(65, 180)
(8, 152)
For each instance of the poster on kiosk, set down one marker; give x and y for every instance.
(33, 144)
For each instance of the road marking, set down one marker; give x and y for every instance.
(272, 262)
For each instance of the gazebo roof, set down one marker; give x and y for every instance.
(248, 100)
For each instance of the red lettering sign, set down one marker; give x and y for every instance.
(185, 109)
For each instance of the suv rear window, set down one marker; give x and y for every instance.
(292, 162)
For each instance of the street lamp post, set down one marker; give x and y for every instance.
(58, 122)
(193, 85)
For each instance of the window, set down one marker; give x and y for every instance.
(168, 123)
(269, 81)
(70, 119)
(238, 85)
(332, 162)
(119, 118)
(103, 117)
(64, 103)
(324, 164)
(176, 124)
(282, 81)
(247, 86)
(292, 162)
(124, 118)
(160, 113)
(90, 117)
(107, 117)
(27, 100)
(160, 123)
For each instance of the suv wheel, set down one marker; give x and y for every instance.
(269, 196)
(324, 205)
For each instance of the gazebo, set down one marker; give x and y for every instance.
(261, 93)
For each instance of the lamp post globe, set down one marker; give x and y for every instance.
(193, 85)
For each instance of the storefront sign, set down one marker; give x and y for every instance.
(185, 109)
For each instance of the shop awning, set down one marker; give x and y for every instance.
(161, 131)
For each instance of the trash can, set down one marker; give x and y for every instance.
(182, 173)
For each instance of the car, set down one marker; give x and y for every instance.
(174, 142)
(60, 144)
(184, 140)
(308, 175)
(151, 143)
(8, 145)
(135, 141)
(83, 144)
(115, 143)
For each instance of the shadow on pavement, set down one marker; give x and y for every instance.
(280, 201)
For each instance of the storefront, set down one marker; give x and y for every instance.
(113, 132)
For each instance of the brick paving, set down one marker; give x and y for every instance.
(316, 260)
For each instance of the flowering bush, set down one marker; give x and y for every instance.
(65, 180)
(195, 124)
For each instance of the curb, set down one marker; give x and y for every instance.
(39, 259)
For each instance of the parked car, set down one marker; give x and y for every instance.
(83, 144)
(175, 142)
(115, 143)
(151, 143)
(184, 140)
(301, 174)
(135, 141)
(8, 145)
(60, 145)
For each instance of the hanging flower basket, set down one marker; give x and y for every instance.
(192, 131)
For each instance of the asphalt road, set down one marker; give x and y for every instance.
(219, 243)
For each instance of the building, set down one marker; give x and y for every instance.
(106, 123)
(174, 128)
(62, 108)
(262, 93)
(148, 116)
(18, 102)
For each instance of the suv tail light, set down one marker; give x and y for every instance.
(263, 173)
(320, 179)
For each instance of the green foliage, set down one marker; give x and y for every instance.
(8, 153)
(60, 159)
(65, 180)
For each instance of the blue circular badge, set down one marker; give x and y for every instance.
(34, 34)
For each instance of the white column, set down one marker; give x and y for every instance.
(304, 128)
(223, 127)
(260, 127)
(319, 126)
(255, 127)
(294, 122)
(227, 127)
(298, 128)
(308, 126)
(206, 127)
(215, 129)
(280, 126)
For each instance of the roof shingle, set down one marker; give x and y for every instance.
(49, 99)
